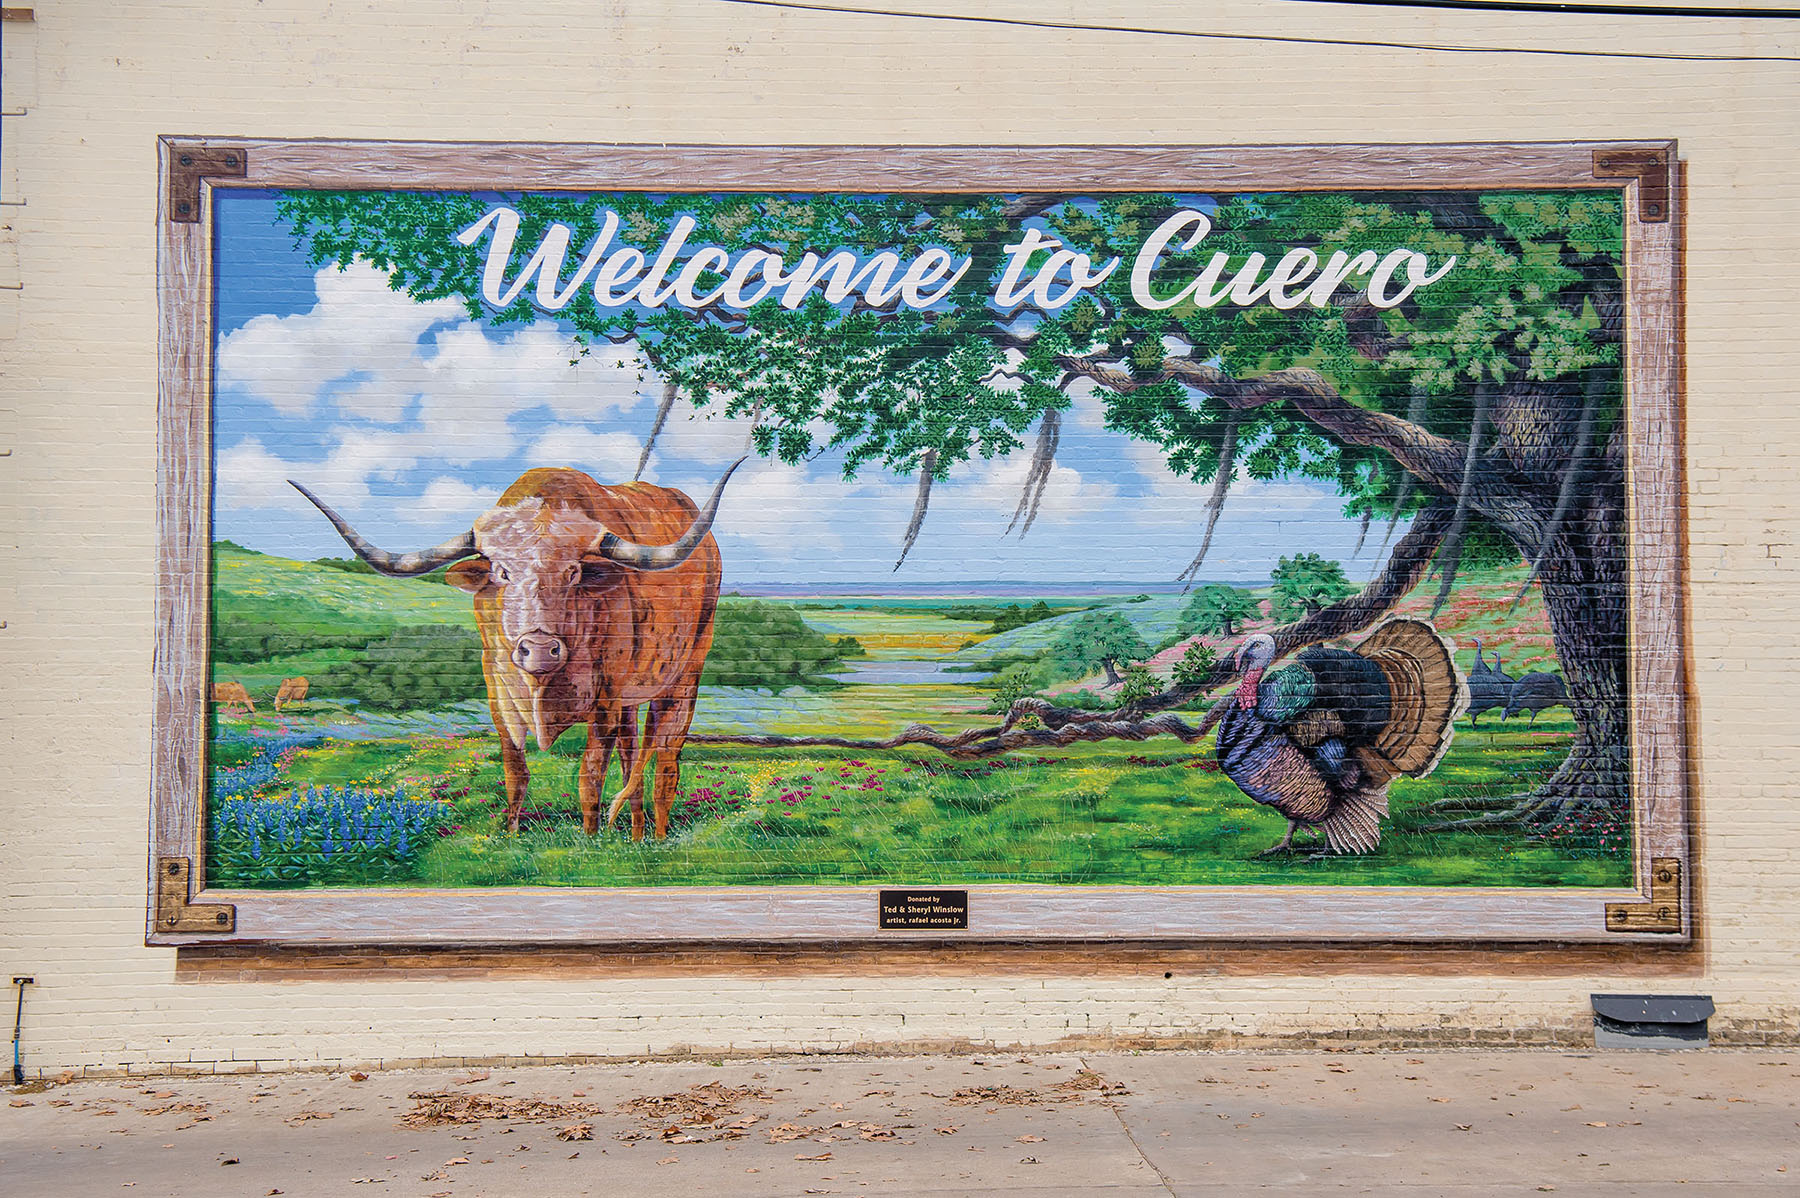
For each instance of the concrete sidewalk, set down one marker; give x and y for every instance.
(1160, 1123)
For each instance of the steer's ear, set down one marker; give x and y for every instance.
(470, 574)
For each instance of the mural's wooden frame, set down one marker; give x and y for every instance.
(775, 914)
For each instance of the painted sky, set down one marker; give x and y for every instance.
(410, 419)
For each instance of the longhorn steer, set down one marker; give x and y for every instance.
(591, 601)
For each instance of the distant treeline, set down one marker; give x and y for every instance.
(755, 644)
(355, 565)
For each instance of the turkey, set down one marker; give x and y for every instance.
(1534, 692)
(1489, 688)
(1319, 740)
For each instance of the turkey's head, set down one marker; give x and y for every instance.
(1253, 657)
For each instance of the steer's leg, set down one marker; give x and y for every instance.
(602, 728)
(518, 779)
(670, 720)
(631, 762)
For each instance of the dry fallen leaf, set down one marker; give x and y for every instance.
(21, 1102)
(823, 1156)
(230, 1160)
(1464, 1126)
(359, 1076)
(456, 1160)
(669, 1160)
(576, 1131)
(1597, 1124)
(946, 1131)
(1029, 1140)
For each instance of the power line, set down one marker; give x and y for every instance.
(1554, 6)
(1080, 27)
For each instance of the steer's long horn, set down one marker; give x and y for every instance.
(403, 565)
(615, 548)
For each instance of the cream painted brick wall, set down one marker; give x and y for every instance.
(95, 82)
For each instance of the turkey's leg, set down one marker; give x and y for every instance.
(1285, 844)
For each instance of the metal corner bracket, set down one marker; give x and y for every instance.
(1662, 913)
(174, 913)
(1651, 170)
(188, 165)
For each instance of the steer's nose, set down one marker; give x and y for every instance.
(539, 655)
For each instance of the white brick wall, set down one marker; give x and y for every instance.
(92, 84)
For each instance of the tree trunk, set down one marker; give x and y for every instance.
(1586, 602)
(1112, 675)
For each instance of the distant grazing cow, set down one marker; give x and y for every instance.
(591, 600)
(293, 690)
(232, 694)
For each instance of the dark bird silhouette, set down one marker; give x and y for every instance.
(1320, 740)
(1489, 688)
(1535, 692)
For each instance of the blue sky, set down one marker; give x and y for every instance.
(410, 419)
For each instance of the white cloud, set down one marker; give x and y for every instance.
(998, 485)
(447, 501)
(608, 457)
(249, 476)
(370, 354)
(358, 325)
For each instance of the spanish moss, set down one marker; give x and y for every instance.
(1451, 554)
(670, 391)
(1216, 502)
(1037, 479)
(927, 467)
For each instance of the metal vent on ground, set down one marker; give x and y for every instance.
(1651, 1020)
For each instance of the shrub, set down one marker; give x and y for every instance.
(1139, 683)
(1195, 664)
(768, 645)
(420, 666)
(1013, 683)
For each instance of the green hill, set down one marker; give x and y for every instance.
(266, 606)
(1154, 618)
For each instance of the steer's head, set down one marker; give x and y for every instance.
(538, 564)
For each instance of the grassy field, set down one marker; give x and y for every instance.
(311, 797)
(1105, 813)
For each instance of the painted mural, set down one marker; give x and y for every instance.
(635, 539)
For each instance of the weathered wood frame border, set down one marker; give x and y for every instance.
(800, 914)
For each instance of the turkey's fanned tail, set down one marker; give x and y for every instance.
(1428, 693)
